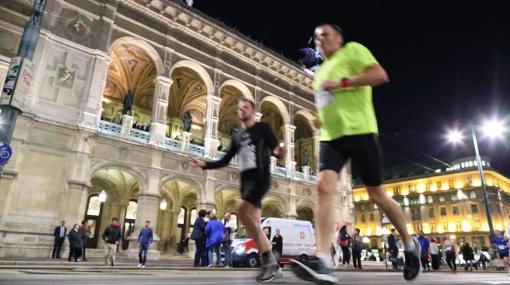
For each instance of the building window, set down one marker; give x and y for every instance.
(416, 215)
(94, 207)
(362, 207)
(474, 208)
(427, 186)
(472, 195)
(455, 210)
(362, 218)
(182, 215)
(443, 211)
(431, 213)
(451, 184)
(396, 190)
(441, 199)
(431, 199)
(439, 185)
(433, 228)
(131, 210)
(372, 217)
(455, 197)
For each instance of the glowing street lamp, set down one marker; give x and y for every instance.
(492, 129)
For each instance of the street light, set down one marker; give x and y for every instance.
(493, 128)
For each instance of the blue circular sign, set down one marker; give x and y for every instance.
(5, 153)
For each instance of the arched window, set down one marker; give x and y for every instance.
(193, 217)
(131, 210)
(182, 216)
(94, 206)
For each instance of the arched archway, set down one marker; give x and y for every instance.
(228, 118)
(225, 201)
(276, 116)
(274, 206)
(119, 188)
(191, 84)
(176, 220)
(304, 142)
(134, 66)
(304, 210)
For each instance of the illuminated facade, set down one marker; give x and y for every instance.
(440, 204)
(77, 156)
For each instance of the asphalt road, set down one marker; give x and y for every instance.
(208, 277)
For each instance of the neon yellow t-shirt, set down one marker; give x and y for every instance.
(349, 111)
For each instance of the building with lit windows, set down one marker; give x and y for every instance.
(442, 203)
(77, 156)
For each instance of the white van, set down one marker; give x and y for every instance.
(298, 241)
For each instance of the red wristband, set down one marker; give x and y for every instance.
(344, 83)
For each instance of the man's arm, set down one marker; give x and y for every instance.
(372, 75)
(224, 161)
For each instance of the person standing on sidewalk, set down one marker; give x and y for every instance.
(450, 250)
(357, 247)
(277, 244)
(198, 235)
(468, 255)
(344, 240)
(435, 254)
(214, 231)
(343, 98)
(112, 237)
(145, 239)
(230, 230)
(425, 246)
(84, 233)
(254, 144)
(60, 235)
(501, 243)
(74, 243)
(393, 249)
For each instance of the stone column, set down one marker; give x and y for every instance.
(306, 172)
(90, 113)
(158, 126)
(273, 164)
(211, 141)
(186, 136)
(290, 164)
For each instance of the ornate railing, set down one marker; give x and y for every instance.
(172, 144)
(300, 175)
(140, 136)
(281, 171)
(196, 150)
(109, 128)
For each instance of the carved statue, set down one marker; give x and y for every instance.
(128, 103)
(305, 157)
(186, 121)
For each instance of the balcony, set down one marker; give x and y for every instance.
(115, 130)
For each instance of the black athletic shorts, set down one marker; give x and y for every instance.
(363, 150)
(254, 185)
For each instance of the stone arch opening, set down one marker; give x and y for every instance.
(304, 143)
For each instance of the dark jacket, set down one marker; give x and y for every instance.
(56, 232)
(112, 234)
(468, 253)
(198, 232)
(83, 236)
(392, 244)
(74, 239)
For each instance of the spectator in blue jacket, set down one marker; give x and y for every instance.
(425, 246)
(214, 231)
(502, 245)
(144, 242)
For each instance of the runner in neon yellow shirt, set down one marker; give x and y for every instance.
(343, 98)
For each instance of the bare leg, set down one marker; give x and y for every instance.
(392, 210)
(250, 218)
(324, 218)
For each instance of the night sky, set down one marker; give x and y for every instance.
(448, 62)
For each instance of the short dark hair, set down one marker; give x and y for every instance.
(357, 229)
(252, 104)
(115, 219)
(392, 230)
(83, 222)
(202, 213)
(336, 28)
(148, 221)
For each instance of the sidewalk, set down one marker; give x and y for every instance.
(167, 263)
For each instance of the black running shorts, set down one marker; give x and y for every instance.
(254, 185)
(363, 150)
